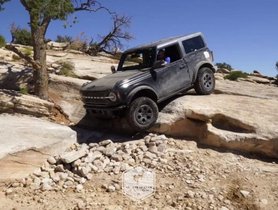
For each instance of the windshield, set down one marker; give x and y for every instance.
(137, 60)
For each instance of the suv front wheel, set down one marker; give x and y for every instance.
(205, 81)
(142, 113)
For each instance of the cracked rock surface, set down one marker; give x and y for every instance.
(246, 122)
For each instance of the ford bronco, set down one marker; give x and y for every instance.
(149, 74)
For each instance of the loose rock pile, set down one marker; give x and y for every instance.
(75, 167)
(89, 177)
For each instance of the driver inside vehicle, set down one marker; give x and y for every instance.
(163, 58)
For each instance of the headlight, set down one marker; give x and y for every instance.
(112, 97)
(86, 83)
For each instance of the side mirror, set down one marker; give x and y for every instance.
(113, 69)
(159, 64)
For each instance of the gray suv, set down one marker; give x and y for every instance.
(148, 75)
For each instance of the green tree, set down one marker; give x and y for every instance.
(41, 14)
(21, 35)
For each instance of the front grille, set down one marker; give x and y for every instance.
(96, 93)
(95, 98)
(91, 102)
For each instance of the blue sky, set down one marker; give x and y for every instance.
(242, 33)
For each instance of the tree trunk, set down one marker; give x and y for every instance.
(40, 77)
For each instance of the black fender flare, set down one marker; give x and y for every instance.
(149, 90)
(200, 65)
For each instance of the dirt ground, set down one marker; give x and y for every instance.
(191, 178)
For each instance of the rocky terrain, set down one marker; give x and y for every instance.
(45, 165)
(89, 176)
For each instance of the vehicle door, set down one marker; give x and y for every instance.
(173, 76)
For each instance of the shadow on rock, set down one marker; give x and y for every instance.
(90, 129)
(93, 130)
(250, 155)
(14, 79)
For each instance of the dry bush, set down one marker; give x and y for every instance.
(67, 69)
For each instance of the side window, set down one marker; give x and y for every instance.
(193, 44)
(170, 53)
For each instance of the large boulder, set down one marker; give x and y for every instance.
(57, 45)
(64, 91)
(242, 116)
(15, 102)
(21, 132)
(28, 141)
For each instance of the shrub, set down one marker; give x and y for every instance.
(93, 49)
(234, 75)
(2, 41)
(27, 51)
(67, 69)
(21, 36)
(63, 39)
(224, 66)
(79, 45)
(23, 90)
(15, 57)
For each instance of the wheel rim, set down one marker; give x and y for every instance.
(207, 81)
(144, 114)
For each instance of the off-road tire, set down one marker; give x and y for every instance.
(205, 81)
(142, 113)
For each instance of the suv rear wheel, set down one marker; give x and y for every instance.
(142, 113)
(205, 81)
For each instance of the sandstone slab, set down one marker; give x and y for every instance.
(26, 142)
(64, 91)
(244, 88)
(227, 121)
(14, 102)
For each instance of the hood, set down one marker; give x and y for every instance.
(109, 81)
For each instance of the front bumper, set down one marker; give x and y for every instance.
(107, 112)
(99, 103)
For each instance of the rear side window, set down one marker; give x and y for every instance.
(193, 44)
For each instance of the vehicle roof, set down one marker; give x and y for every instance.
(164, 42)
